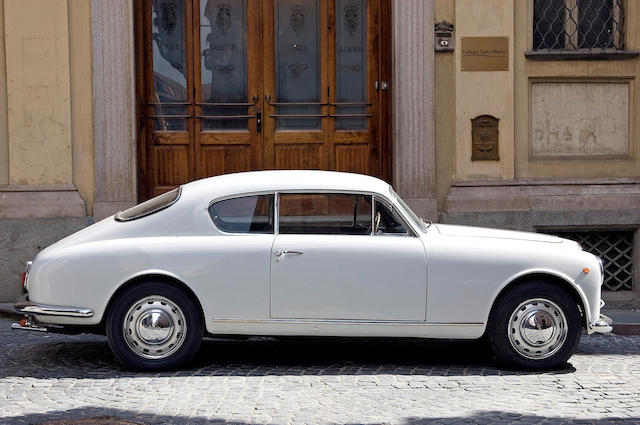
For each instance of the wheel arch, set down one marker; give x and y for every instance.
(155, 277)
(527, 277)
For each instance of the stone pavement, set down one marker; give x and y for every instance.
(58, 378)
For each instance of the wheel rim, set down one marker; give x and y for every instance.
(537, 329)
(154, 327)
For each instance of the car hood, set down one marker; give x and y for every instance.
(483, 232)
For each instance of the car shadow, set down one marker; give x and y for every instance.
(90, 357)
(114, 416)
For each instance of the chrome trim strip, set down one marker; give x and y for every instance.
(345, 322)
(29, 308)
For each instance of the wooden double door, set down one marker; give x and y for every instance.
(237, 85)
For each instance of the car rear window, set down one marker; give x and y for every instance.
(151, 206)
(246, 214)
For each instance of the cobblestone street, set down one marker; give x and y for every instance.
(52, 377)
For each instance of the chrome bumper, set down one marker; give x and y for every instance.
(26, 307)
(602, 325)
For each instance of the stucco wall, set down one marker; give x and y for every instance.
(82, 99)
(445, 108)
(604, 160)
(4, 131)
(46, 94)
(480, 93)
(38, 91)
(46, 129)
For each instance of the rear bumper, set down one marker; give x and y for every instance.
(26, 307)
(31, 311)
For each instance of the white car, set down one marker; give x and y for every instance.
(308, 253)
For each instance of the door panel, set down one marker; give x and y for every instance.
(166, 110)
(238, 85)
(295, 81)
(348, 277)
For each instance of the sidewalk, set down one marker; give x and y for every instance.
(625, 322)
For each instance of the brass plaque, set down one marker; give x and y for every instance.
(485, 53)
(484, 138)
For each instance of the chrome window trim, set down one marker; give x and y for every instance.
(243, 195)
(397, 215)
(324, 192)
(277, 192)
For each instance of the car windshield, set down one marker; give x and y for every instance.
(149, 207)
(417, 220)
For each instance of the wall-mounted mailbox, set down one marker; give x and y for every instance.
(444, 36)
(484, 138)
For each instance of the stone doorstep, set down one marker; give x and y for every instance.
(625, 322)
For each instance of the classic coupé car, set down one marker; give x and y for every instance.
(308, 253)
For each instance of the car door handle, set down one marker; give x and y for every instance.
(280, 253)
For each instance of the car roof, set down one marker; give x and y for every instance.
(281, 180)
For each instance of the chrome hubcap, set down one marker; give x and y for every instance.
(154, 327)
(537, 329)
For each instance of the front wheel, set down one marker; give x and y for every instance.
(154, 326)
(535, 326)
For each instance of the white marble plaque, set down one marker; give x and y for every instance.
(579, 119)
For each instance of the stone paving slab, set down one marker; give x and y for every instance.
(47, 377)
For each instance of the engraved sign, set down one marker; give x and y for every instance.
(484, 138)
(484, 53)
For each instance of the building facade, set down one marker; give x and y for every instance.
(503, 113)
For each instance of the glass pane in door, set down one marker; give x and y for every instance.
(169, 64)
(351, 63)
(297, 63)
(223, 58)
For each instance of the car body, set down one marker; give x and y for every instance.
(313, 253)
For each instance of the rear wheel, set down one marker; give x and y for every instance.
(154, 326)
(535, 326)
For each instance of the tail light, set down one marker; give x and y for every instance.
(23, 276)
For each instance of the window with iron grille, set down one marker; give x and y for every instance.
(578, 25)
(616, 251)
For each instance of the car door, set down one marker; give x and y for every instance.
(335, 257)
(236, 264)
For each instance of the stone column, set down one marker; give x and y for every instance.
(413, 104)
(112, 28)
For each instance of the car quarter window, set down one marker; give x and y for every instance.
(246, 214)
(386, 221)
(325, 214)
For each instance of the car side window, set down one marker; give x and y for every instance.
(325, 214)
(246, 214)
(386, 222)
